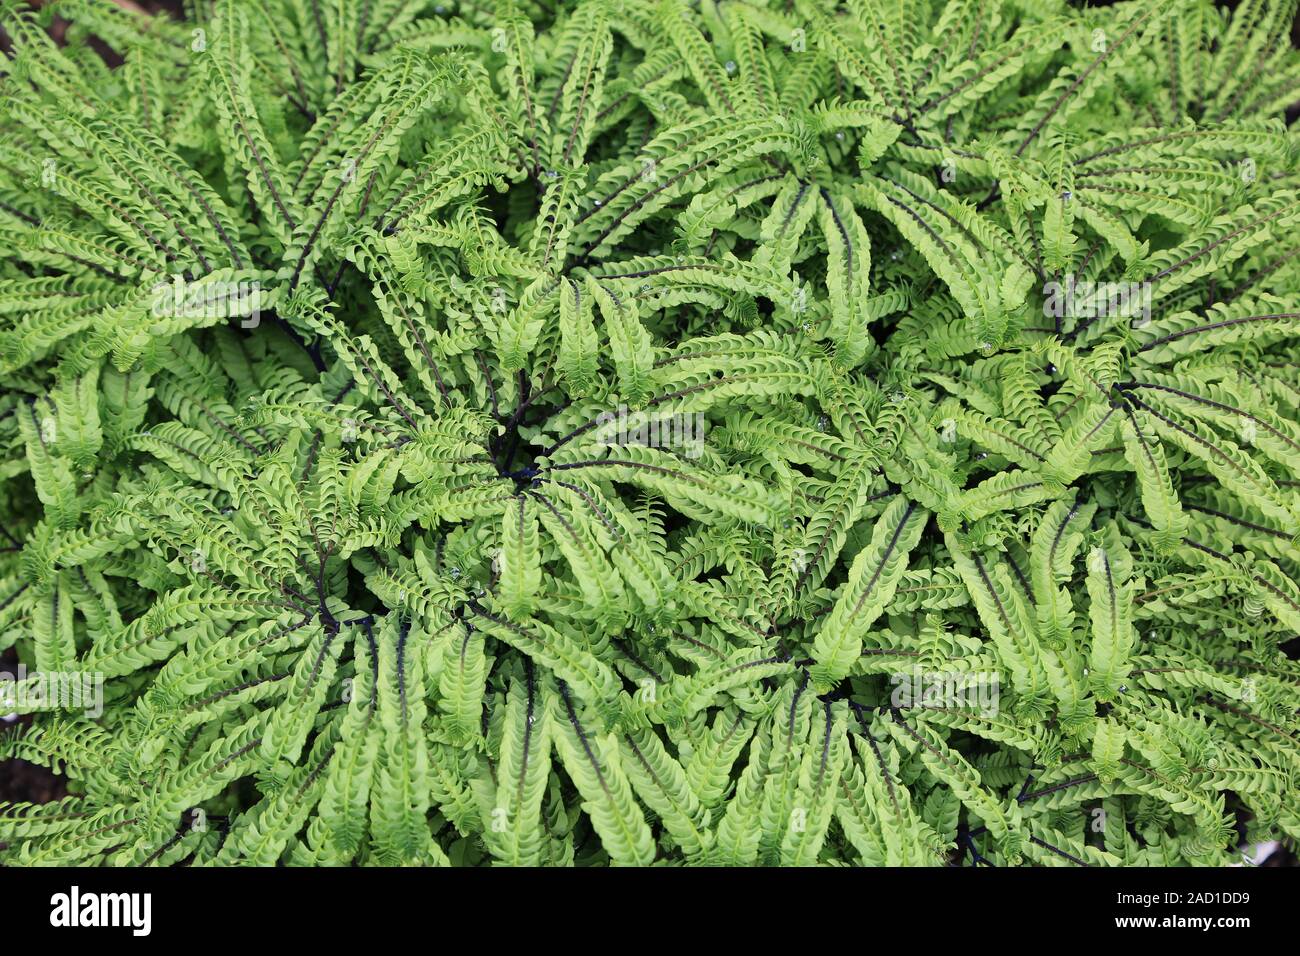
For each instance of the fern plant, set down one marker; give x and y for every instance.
(339, 338)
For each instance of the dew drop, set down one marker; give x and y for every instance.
(731, 66)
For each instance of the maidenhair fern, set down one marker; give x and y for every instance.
(628, 431)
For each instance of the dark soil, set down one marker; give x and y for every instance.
(20, 780)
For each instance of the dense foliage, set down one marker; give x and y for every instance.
(626, 431)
